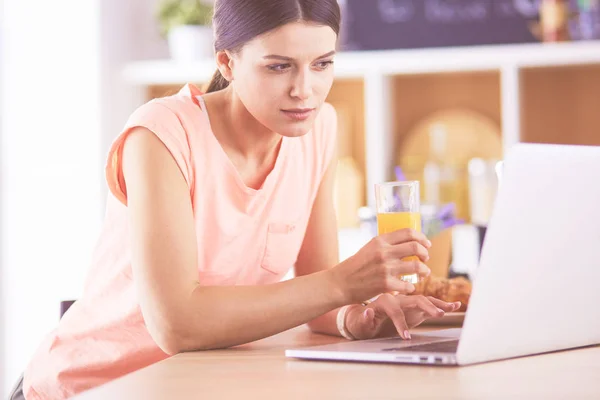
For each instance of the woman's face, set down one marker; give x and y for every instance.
(284, 76)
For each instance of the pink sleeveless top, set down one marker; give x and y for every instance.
(245, 237)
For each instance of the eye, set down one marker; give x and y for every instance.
(323, 65)
(278, 67)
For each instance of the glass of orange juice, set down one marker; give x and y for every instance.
(398, 207)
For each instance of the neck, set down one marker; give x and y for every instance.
(238, 131)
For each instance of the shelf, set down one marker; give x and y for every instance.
(545, 93)
(561, 105)
(421, 100)
(417, 96)
(350, 65)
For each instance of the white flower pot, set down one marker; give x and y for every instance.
(191, 42)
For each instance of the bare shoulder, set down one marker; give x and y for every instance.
(142, 150)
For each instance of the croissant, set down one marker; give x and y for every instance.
(445, 289)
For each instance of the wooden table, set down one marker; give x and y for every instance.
(260, 371)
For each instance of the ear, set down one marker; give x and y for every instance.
(224, 63)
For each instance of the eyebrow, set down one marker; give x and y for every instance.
(276, 57)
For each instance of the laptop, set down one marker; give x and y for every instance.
(537, 286)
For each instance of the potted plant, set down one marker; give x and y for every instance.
(187, 26)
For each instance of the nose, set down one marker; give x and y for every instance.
(302, 85)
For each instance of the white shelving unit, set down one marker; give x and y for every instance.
(378, 69)
(394, 62)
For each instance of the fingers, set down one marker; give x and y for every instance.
(365, 322)
(408, 268)
(386, 305)
(406, 235)
(361, 322)
(427, 306)
(397, 285)
(369, 318)
(447, 307)
(410, 249)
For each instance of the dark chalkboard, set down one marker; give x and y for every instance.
(402, 24)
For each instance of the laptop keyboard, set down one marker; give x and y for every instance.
(449, 346)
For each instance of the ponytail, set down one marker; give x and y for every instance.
(217, 82)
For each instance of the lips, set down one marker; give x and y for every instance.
(298, 114)
(299, 110)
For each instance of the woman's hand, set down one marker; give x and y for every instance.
(390, 315)
(376, 268)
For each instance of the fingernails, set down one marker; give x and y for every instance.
(407, 335)
(429, 243)
(365, 314)
(440, 310)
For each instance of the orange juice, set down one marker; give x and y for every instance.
(393, 221)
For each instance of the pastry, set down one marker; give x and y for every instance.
(445, 289)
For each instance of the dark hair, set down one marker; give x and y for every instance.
(236, 22)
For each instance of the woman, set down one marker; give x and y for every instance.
(213, 197)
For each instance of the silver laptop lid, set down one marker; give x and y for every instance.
(537, 288)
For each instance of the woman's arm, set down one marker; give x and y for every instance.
(180, 314)
(387, 316)
(320, 248)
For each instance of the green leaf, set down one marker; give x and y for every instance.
(172, 13)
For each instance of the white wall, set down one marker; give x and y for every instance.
(50, 140)
(128, 32)
(66, 102)
(2, 301)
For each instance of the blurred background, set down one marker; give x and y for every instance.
(434, 90)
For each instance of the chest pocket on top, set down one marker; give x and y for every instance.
(282, 246)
